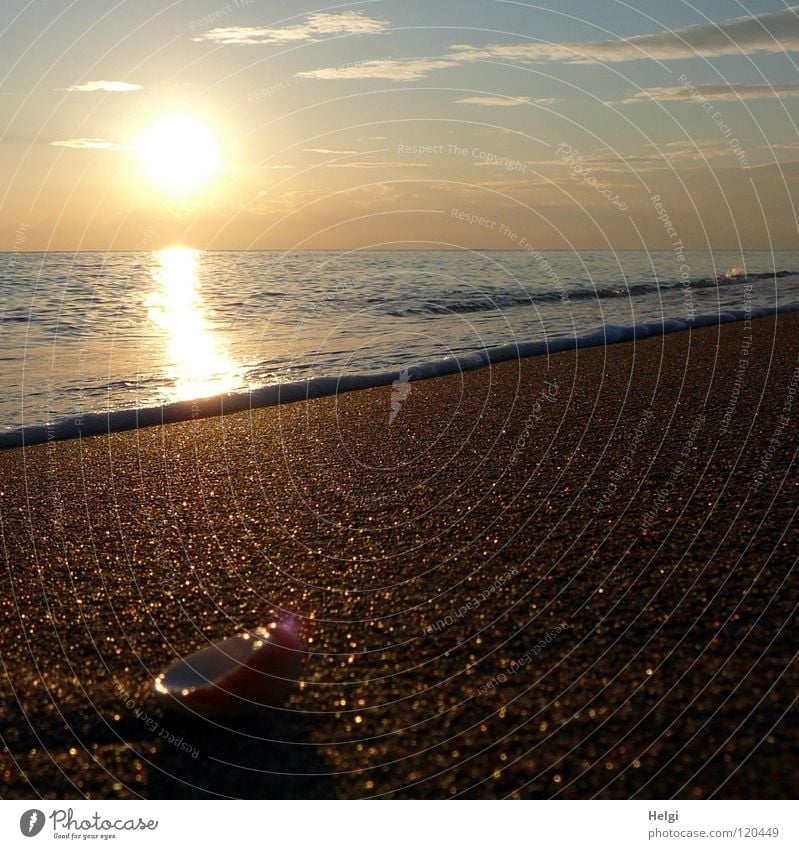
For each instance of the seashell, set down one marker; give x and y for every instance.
(236, 676)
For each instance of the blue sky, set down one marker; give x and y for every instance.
(331, 118)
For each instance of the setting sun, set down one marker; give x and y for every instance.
(179, 152)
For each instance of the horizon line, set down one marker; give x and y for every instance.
(706, 249)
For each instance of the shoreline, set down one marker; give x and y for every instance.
(641, 494)
(82, 425)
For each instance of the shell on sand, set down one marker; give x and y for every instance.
(235, 676)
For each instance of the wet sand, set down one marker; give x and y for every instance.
(571, 577)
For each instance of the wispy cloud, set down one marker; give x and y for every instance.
(87, 144)
(770, 32)
(313, 28)
(684, 153)
(507, 101)
(401, 70)
(377, 164)
(721, 91)
(103, 85)
(330, 151)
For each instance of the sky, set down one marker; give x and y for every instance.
(263, 124)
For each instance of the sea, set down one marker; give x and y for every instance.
(94, 341)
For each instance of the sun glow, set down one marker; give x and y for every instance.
(179, 152)
(196, 362)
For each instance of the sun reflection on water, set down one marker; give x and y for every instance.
(196, 362)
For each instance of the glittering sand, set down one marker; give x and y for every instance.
(565, 578)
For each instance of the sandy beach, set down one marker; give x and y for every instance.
(570, 577)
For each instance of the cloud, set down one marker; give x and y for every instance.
(507, 101)
(376, 164)
(330, 151)
(103, 85)
(401, 70)
(770, 32)
(684, 153)
(87, 144)
(311, 29)
(721, 91)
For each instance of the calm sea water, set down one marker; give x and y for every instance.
(97, 332)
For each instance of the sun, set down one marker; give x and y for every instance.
(179, 152)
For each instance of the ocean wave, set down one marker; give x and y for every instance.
(91, 424)
(487, 301)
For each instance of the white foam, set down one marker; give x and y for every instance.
(120, 420)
